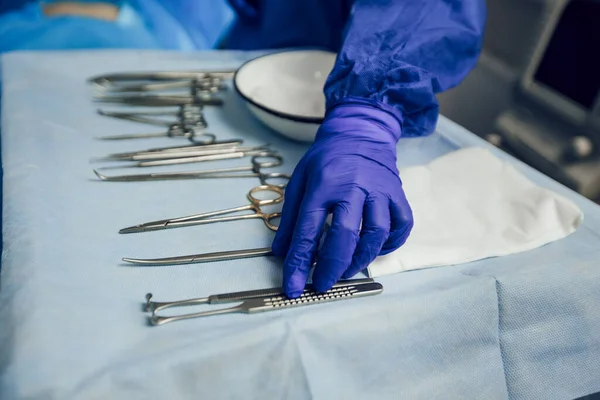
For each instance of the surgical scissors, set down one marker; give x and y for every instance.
(209, 217)
(253, 171)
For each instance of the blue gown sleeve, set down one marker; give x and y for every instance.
(397, 54)
(276, 24)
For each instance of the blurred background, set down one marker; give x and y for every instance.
(533, 93)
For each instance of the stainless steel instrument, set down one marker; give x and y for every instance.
(270, 302)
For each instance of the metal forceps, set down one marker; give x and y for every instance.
(215, 147)
(186, 115)
(188, 157)
(189, 132)
(131, 81)
(160, 100)
(207, 83)
(252, 171)
(204, 257)
(200, 92)
(201, 258)
(209, 217)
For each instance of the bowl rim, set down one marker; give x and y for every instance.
(280, 114)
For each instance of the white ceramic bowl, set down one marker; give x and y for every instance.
(285, 90)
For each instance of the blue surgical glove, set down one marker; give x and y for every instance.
(350, 171)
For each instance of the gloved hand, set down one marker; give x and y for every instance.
(350, 171)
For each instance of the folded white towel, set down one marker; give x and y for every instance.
(469, 205)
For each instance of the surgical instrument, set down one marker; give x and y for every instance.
(179, 112)
(189, 157)
(182, 152)
(209, 82)
(201, 258)
(154, 306)
(215, 145)
(200, 92)
(209, 217)
(209, 143)
(271, 303)
(175, 130)
(185, 133)
(160, 100)
(209, 257)
(252, 171)
(188, 115)
(109, 81)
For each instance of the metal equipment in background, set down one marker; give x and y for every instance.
(536, 89)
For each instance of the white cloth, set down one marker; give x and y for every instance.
(470, 205)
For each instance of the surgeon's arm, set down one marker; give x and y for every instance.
(397, 54)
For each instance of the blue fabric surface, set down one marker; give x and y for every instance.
(523, 326)
(114, 2)
(29, 29)
(141, 24)
(395, 54)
